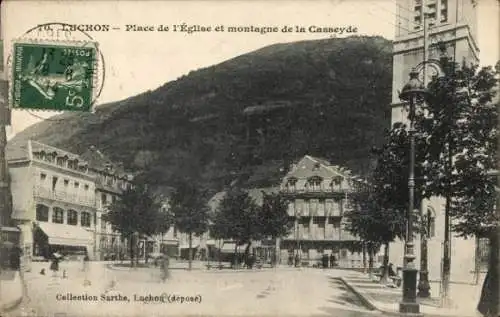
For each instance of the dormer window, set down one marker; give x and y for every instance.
(60, 161)
(316, 166)
(336, 183)
(314, 183)
(290, 185)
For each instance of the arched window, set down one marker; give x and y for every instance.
(57, 215)
(431, 223)
(42, 213)
(72, 217)
(314, 183)
(85, 219)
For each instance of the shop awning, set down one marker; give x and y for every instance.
(61, 234)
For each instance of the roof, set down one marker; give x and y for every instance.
(100, 162)
(310, 166)
(40, 147)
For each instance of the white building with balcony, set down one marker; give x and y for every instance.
(318, 194)
(54, 200)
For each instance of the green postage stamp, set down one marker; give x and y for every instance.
(53, 76)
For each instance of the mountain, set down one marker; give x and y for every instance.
(247, 117)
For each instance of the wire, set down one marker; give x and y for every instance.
(405, 8)
(384, 20)
(397, 15)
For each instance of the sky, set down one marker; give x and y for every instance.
(137, 61)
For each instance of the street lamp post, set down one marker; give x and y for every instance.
(412, 93)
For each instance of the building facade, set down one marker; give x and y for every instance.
(58, 201)
(318, 196)
(452, 23)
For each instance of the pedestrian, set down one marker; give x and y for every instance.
(86, 264)
(297, 260)
(486, 305)
(325, 261)
(332, 260)
(54, 265)
(165, 262)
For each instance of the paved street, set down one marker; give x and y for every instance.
(272, 292)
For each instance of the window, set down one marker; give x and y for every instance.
(43, 176)
(72, 217)
(60, 161)
(431, 223)
(113, 199)
(290, 185)
(103, 224)
(315, 183)
(57, 215)
(444, 15)
(482, 253)
(86, 186)
(54, 183)
(104, 200)
(42, 213)
(85, 219)
(175, 232)
(50, 157)
(66, 182)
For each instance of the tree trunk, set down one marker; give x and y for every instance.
(247, 251)
(370, 260)
(364, 257)
(137, 250)
(131, 246)
(235, 260)
(385, 274)
(190, 255)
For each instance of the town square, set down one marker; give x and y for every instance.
(272, 159)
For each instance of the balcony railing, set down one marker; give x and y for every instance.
(64, 197)
(326, 190)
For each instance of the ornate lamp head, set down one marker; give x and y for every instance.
(414, 89)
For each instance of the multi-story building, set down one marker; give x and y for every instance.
(452, 23)
(54, 200)
(318, 193)
(110, 182)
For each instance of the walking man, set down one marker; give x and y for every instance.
(164, 268)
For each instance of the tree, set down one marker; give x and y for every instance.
(274, 219)
(379, 211)
(237, 218)
(190, 211)
(374, 225)
(460, 128)
(137, 213)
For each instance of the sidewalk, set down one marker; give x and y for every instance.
(464, 298)
(11, 290)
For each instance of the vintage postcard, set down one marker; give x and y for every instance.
(249, 158)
